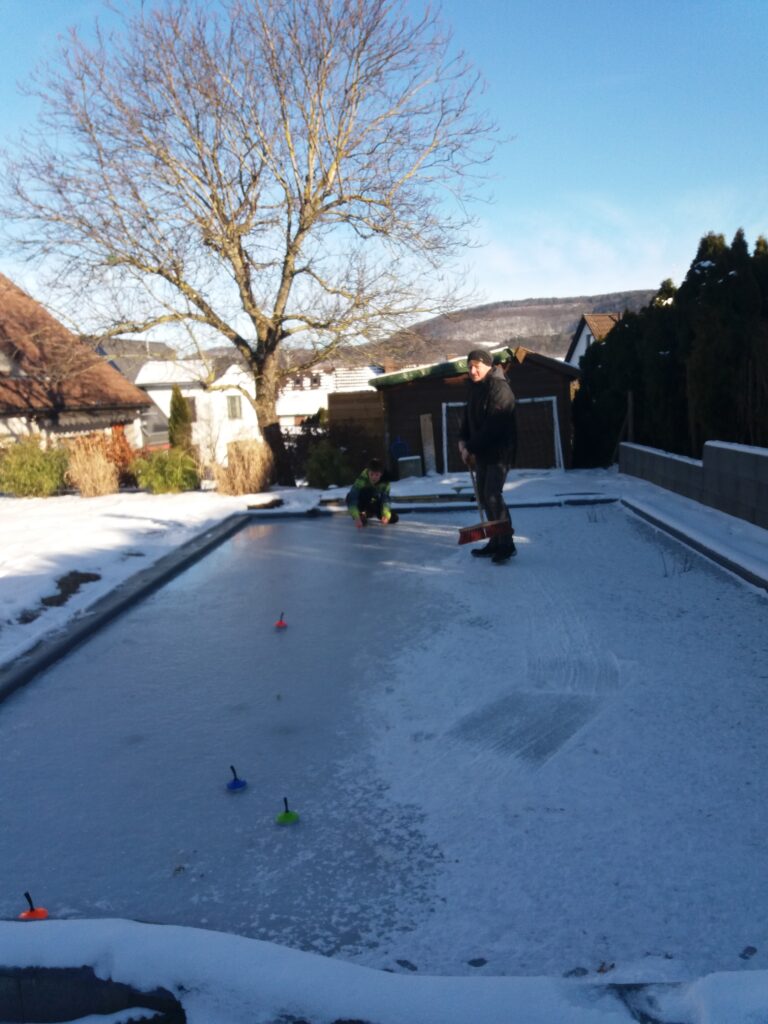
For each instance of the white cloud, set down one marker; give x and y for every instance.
(587, 244)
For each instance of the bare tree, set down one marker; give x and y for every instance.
(277, 173)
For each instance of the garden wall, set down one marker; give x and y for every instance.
(730, 477)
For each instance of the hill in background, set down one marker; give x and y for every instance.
(542, 325)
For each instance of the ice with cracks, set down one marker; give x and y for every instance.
(531, 792)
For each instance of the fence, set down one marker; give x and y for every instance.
(356, 424)
(730, 477)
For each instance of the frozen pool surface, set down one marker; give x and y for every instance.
(529, 767)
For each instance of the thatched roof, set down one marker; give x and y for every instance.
(45, 369)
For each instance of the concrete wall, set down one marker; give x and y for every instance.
(730, 477)
(48, 995)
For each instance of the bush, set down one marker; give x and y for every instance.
(29, 471)
(90, 468)
(249, 468)
(121, 454)
(167, 472)
(179, 421)
(326, 465)
(298, 445)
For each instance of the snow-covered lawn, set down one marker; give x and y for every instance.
(506, 775)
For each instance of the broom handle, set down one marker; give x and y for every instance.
(477, 496)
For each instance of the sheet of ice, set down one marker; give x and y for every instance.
(603, 730)
(117, 535)
(113, 537)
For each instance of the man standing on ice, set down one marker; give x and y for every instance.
(487, 442)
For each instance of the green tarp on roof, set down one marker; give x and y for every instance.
(452, 368)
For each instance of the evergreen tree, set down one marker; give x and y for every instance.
(665, 296)
(600, 407)
(179, 421)
(760, 270)
(695, 361)
(722, 313)
(756, 383)
(661, 418)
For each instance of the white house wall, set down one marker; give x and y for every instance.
(583, 342)
(295, 404)
(213, 429)
(16, 427)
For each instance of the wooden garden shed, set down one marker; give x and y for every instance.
(423, 407)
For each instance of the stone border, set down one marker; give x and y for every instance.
(50, 649)
(732, 478)
(71, 993)
(441, 503)
(699, 546)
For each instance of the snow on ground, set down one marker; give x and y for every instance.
(562, 765)
(225, 979)
(44, 539)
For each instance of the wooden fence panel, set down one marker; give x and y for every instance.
(357, 424)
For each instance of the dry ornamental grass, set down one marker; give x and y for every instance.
(248, 470)
(90, 469)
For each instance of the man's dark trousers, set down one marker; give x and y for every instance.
(490, 486)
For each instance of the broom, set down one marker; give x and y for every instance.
(485, 528)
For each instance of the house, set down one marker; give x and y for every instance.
(592, 327)
(219, 402)
(306, 392)
(54, 384)
(423, 408)
(128, 355)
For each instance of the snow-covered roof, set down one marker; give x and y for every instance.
(457, 367)
(448, 368)
(171, 371)
(167, 372)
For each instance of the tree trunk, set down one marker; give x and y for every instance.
(267, 388)
(283, 469)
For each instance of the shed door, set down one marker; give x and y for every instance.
(453, 413)
(538, 434)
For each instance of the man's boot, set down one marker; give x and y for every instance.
(505, 549)
(486, 551)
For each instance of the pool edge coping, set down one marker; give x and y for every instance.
(16, 673)
(49, 649)
(701, 547)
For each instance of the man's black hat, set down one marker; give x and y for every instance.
(480, 355)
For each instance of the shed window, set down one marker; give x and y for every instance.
(234, 407)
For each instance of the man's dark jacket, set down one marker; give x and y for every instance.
(489, 428)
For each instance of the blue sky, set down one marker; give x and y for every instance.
(636, 126)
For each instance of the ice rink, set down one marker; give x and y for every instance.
(519, 769)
